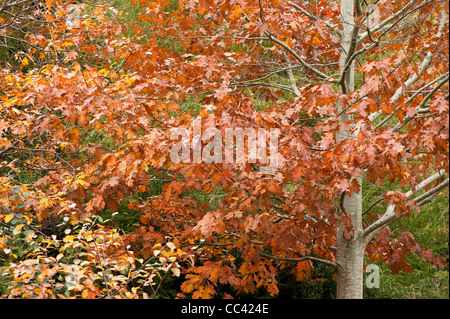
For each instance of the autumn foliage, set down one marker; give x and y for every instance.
(87, 109)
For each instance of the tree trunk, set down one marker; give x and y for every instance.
(350, 253)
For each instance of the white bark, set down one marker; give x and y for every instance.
(423, 66)
(389, 215)
(347, 21)
(425, 63)
(349, 253)
(291, 76)
(385, 23)
(350, 256)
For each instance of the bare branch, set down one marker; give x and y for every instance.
(429, 195)
(423, 66)
(380, 26)
(324, 261)
(272, 85)
(310, 15)
(389, 216)
(387, 118)
(408, 118)
(299, 58)
(291, 76)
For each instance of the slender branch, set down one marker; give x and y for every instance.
(273, 85)
(408, 118)
(324, 261)
(372, 206)
(299, 58)
(423, 88)
(423, 66)
(386, 21)
(291, 75)
(268, 74)
(387, 118)
(430, 194)
(7, 5)
(351, 58)
(311, 16)
(389, 216)
(291, 51)
(261, 11)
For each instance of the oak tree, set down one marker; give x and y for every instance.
(358, 91)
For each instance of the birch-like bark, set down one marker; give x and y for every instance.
(349, 253)
(386, 22)
(423, 66)
(291, 75)
(389, 215)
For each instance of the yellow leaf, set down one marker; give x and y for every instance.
(68, 238)
(8, 218)
(19, 227)
(103, 71)
(28, 219)
(30, 236)
(84, 294)
(82, 182)
(88, 237)
(68, 180)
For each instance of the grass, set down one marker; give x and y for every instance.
(430, 229)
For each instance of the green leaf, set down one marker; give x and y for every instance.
(22, 205)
